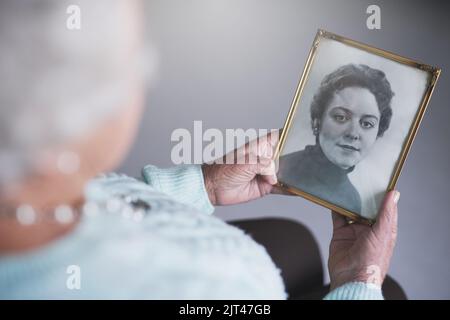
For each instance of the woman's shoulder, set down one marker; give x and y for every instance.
(297, 160)
(307, 152)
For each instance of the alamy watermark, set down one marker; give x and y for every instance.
(73, 21)
(236, 146)
(374, 272)
(73, 281)
(374, 19)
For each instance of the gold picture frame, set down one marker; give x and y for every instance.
(432, 79)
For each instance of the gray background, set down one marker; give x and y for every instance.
(236, 64)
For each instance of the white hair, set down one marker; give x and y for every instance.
(56, 83)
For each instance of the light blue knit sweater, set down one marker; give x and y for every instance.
(154, 239)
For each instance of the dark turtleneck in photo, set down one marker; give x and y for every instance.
(310, 171)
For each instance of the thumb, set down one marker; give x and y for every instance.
(387, 218)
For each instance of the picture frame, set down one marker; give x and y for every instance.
(351, 96)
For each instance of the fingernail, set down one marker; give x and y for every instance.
(396, 197)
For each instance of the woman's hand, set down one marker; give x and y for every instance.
(249, 175)
(360, 252)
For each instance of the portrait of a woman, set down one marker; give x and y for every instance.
(349, 112)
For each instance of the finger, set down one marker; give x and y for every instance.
(264, 146)
(267, 167)
(274, 137)
(261, 166)
(248, 153)
(271, 179)
(387, 218)
(339, 221)
(266, 170)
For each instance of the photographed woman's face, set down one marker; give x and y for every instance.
(349, 126)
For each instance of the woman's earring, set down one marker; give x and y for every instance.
(316, 131)
(316, 125)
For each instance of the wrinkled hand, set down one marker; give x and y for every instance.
(360, 252)
(250, 175)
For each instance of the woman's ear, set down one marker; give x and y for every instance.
(316, 126)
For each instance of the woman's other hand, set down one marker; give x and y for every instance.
(360, 252)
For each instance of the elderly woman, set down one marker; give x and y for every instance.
(70, 105)
(350, 111)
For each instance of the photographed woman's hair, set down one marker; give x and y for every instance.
(352, 75)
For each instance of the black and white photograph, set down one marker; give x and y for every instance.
(351, 124)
